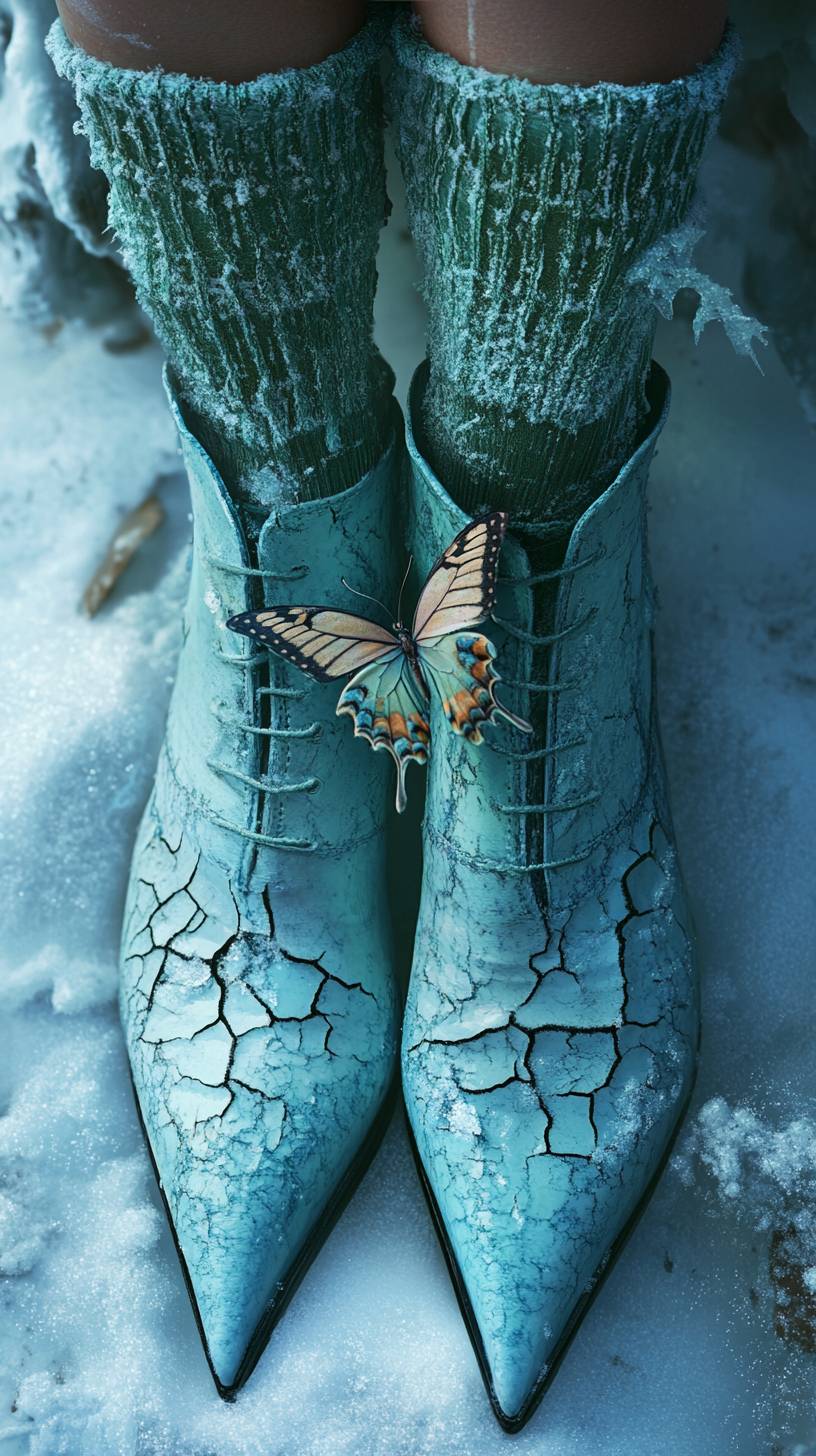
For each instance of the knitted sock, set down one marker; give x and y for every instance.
(249, 216)
(538, 211)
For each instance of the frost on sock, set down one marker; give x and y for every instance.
(536, 210)
(249, 215)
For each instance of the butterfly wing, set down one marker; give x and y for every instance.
(461, 587)
(389, 710)
(460, 666)
(320, 641)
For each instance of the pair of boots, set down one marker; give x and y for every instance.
(549, 1035)
(550, 1029)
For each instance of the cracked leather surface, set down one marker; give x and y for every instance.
(259, 1003)
(551, 1026)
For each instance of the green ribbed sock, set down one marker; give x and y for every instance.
(547, 218)
(249, 216)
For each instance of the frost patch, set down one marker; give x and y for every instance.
(767, 1175)
(214, 604)
(666, 268)
(463, 1120)
(761, 1167)
(635, 1111)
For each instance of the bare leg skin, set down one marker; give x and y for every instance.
(577, 42)
(208, 38)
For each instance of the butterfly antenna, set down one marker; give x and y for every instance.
(364, 594)
(402, 587)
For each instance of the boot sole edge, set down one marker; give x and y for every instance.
(306, 1255)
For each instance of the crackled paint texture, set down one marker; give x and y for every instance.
(259, 1005)
(551, 1025)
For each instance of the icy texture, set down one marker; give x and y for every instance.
(52, 205)
(231, 204)
(666, 268)
(769, 1171)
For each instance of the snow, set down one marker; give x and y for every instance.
(98, 1351)
(52, 206)
(463, 1121)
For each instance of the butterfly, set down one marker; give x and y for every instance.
(389, 696)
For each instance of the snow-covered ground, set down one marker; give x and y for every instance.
(696, 1346)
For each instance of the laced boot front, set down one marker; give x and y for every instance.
(551, 1027)
(258, 995)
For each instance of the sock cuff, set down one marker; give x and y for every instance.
(606, 103)
(628, 153)
(532, 206)
(321, 83)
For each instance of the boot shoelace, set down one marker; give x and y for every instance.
(550, 639)
(249, 661)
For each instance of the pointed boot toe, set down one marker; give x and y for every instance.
(528, 1223)
(551, 1025)
(258, 994)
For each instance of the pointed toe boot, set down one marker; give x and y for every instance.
(257, 994)
(551, 1027)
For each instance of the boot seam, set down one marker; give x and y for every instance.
(196, 804)
(500, 866)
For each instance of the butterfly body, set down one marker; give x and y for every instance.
(396, 673)
(412, 652)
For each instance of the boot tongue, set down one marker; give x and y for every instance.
(252, 519)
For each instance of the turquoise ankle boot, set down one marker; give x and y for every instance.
(551, 1028)
(258, 995)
